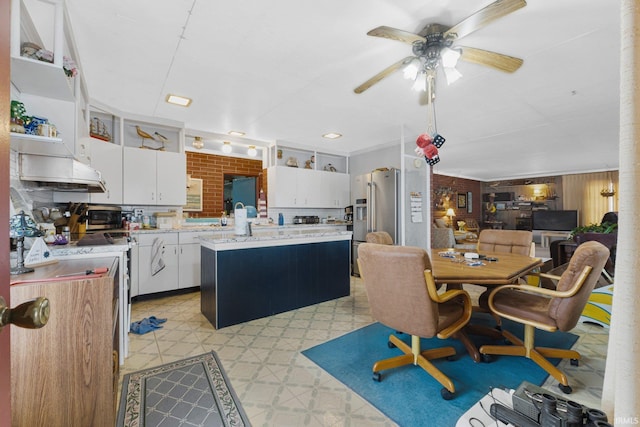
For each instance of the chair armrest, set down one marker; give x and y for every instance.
(448, 296)
(549, 292)
(541, 291)
(548, 276)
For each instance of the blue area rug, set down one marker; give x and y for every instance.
(410, 396)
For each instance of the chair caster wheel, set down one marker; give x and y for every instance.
(565, 388)
(486, 358)
(574, 362)
(446, 394)
(390, 344)
(377, 376)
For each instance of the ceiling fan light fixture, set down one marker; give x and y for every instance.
(197, 143)
(252, 151)
(449, 57)
(452, 75)
(420, 83)
(226, 147)
(410, 71)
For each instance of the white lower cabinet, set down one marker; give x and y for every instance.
(189, 249)
(166, 261)
(157, 262)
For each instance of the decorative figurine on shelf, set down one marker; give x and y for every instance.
(146, 136)
(491, 208)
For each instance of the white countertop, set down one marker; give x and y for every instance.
(119, 245)
(229, 228)
(275, 236)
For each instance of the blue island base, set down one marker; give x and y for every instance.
(245, 284)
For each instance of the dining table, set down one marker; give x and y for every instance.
(490, 269)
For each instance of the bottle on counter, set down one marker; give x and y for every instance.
(66, 232)
(280, 219)
(223, 219)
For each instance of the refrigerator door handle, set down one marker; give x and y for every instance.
(369, 208)
(373, 208)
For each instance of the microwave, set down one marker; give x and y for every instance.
(104, 218)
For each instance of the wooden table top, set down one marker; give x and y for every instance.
(507, 269)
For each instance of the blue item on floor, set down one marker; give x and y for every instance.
(407, 395)
(144, 326)
(156, 320)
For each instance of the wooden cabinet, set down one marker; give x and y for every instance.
(305, 188)
(64, 373)
(154, 178)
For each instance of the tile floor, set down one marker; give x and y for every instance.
(280, 387)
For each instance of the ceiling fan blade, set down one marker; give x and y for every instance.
(484, 16)
(395, 34)
(382, 74)
(495, 60)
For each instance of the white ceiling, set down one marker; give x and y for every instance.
(285, 70)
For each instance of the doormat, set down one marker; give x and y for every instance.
(410, 396)
(193, 391)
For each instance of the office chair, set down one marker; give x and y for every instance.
(548, 310)
(380, 237)
(403, 296)
(511, 241)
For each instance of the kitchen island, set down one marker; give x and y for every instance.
(277, 269)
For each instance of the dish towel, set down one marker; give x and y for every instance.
(146, 325)
(157, 250)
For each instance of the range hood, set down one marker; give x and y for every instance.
(61, 173)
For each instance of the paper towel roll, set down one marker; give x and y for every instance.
(240, 221)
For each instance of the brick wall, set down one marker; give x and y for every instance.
(459, 186)
(211, 169)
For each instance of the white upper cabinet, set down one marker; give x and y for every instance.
(154, 177)
(303, 178)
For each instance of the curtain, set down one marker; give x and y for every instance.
(582, 192)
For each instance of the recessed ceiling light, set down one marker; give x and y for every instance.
(332, 135)
(178, 100)
(235, 133)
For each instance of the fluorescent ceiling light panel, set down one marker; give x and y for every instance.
(178, 100)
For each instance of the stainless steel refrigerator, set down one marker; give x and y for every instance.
(375, 207)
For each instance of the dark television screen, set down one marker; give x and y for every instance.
(555, 220)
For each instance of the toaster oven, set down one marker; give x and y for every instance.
(104, 218)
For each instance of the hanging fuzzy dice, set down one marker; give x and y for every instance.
(428, 147)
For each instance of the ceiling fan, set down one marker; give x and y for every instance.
(433, 46)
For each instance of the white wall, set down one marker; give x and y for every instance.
(387, 156)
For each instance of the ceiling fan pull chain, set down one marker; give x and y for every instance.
(431, 106)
